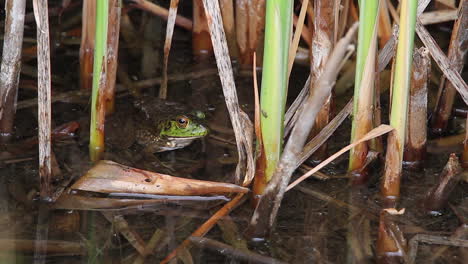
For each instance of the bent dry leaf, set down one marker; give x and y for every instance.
(111, 177)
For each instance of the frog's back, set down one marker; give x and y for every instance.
(155, 108)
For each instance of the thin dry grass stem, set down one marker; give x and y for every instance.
(161, 12)
(415, 143)
(11, 66)
(201, 42)
(167, 46)
(297, 36)
(250, 25)
(267, 209)
(438, 16)
(87, 44)
(305, 32)
(465, 147)
(456, 54)
(44, 96)
(112, 53)
(343, 22)
(376, 132)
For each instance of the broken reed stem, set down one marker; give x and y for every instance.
(44, 96)
(201, 41)
(436, 199)
(401, 85)
(87, 44)
(321, 47)
(113, 31)
(416, 136)
(250, 24)
(96, 141)
(11, 65)
(456, 55)
(167, 46)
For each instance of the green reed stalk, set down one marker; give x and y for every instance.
(96, 142)
(400, 95)
(364, 89)
(278, 25)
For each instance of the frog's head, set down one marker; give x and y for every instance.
(183, 127)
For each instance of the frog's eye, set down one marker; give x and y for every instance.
(182, 121)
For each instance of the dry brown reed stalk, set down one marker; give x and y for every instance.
(416, 134)
(167, 46)
(229, 23)
(44, 96)
(112, 53)
(87, 44)
(456, 53)
(11, 66)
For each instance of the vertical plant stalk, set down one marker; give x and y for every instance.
(201, 41)
(241, 124)
(227, 12)
(416, 136)
(44, 96)
(96, 141)
(115, 7)
(464, 160)
(265, 213)
(167, 46)
(390, 188)
(250, 22)
(385, 26)
(364, 87)
(87, 44)
(11, 65)
(322, 45)
(274, 85)
(456, 55)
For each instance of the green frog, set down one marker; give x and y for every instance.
(158, 126)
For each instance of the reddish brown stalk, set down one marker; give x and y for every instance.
(11, 65)
(322, 45)
(385, 27)
(167, 46)
(250, 24)
(391, 185)
(161, 12)
(456, 54)
(436, 199)
(201, 41)
(87, 44)
(415, 142)
(112, 53)
(227, 12)
(44, 96)
(391, 245)
(203, 229)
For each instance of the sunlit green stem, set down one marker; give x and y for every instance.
(363, 92)
(96, 142)
(278, 25)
